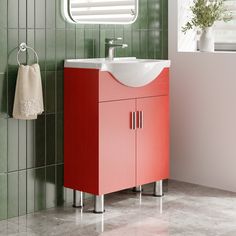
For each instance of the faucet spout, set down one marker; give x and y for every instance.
(110, 47)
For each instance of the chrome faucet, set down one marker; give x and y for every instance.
(110, 46)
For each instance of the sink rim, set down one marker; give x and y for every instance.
(129, 71)
(98, 63)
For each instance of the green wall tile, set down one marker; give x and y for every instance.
(40, 47)
(12, 14)
(11, 92)
(3, 13)
(70, 25)
(3, 145)
(13, 139)
(88, 43)
(12, 43)
(164, 15)
(96, 46)
(50, 49)
(30, 143)
(79, 43)
(155, 14)
(22, 13)
(3, 196)
(43, 78)
(136, 43)
(22, 145)
(60, 22)
(59, 185)
(143, 44)
(39, 147)
(12, 195)
(3, 95)
(50, 14)
(154, 44)
(102, 42)
(31, 42)
(70, 43)
(39, 189)
(60, 90)
(30, 14)
(60, 48)
(60, 138)
(50, 92)
(119, 32)
(22, 192)
(30, 190)
(165, 44)
(3, 50)
(21, 38)
(40, 13)
(51, 186)
(127, 38)
(50, 139)
(143, 14)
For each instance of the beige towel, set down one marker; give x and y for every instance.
(28, 101)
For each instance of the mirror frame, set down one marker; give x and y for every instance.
(66, 11)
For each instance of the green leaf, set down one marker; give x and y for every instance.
(206, 13)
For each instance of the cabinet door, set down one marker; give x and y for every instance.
(116, 146)
(153, 140)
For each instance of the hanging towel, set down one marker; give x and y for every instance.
(28, 101)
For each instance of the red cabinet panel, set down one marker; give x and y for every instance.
(81, 132)
(116, 146)
(111, 89)
(153, 140)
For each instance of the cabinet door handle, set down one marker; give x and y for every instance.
(133, 120)
(140, 119)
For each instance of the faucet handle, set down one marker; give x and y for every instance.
(111, 40)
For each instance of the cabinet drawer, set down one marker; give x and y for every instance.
(111, 89)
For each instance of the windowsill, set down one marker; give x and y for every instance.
(220, 48)
(215, 52)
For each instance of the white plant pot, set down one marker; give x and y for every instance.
(207, 41)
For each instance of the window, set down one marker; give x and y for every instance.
(101, 11)
(225, 33)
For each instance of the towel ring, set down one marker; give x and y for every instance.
(22, 48)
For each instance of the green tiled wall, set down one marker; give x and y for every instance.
(31, 152)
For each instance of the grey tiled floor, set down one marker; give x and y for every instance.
(185, 210)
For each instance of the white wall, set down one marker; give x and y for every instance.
(203, 114)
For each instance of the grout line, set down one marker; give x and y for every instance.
(66, 57)
(34, 121)
(34, 168)
(18, 125)
(27, 122)
(56, 115)
(45, 97)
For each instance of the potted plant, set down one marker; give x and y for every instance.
(204, 14)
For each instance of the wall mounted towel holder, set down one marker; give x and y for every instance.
(22, 48)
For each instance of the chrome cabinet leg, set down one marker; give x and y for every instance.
(158, 189)
(77, 199)
(138, 189)
(99, 204)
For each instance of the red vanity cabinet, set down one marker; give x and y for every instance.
(103, 151)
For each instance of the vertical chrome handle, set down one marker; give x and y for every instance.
(133, 120)
(140, 119)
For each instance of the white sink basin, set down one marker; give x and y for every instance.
(129, 71)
